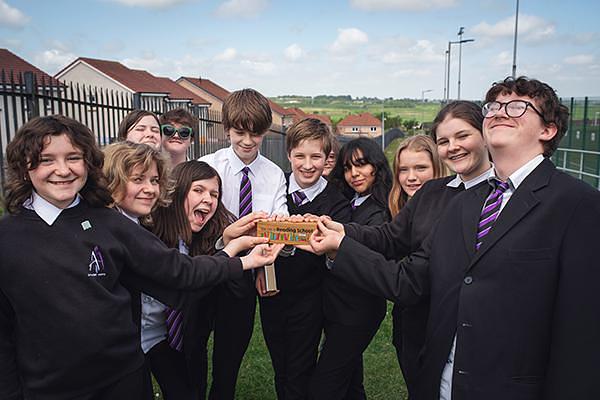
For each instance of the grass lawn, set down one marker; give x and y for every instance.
(383, 380)
(422, 112)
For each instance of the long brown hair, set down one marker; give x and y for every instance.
(171, 224)
(398, 197)
(23, 155)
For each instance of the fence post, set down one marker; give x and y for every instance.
(137, 101)
(33, 109)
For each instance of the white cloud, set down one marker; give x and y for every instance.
(228, 54)
(421, 51)
(11, 17)
(259, 67)
(531, 28)
(241, 8)
(148, 62)
(580, 59)
(502, 58)
(349, 39)
(294, 52)
(54, 59)
(402, 5)
(150, 3)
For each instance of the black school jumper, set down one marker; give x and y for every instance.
(66, 325)
(352, 317)
(292, 320)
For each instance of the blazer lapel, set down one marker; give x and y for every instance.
(522, 201)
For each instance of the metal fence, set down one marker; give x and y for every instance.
(25, 96)
(579, 151)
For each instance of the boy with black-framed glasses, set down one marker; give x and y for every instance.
(177, 129)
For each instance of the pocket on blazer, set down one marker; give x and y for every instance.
(528, 255)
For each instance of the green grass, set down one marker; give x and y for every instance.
(383, 379)
(422, 112)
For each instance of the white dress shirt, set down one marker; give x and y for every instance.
(266, 178)
(514, 180)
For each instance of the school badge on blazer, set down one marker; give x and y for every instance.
(96, 265)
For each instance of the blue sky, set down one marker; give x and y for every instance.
(383, 48)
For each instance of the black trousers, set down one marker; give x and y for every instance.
(292, 326)
(169, 367)
(232, 324)
(130, 387)
(339, 371)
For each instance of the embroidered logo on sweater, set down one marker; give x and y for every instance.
(96, 266)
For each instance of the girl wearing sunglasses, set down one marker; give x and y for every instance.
(177, 131)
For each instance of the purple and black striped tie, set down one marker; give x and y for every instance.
(298, 197)
(245, 193)
(490, 212)
(175, 328)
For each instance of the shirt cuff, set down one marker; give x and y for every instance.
(220, 245)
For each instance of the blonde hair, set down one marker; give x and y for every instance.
(398, 197)
(121, 158)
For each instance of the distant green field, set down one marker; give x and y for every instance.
(422, 112)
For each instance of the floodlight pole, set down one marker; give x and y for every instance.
(514, 66)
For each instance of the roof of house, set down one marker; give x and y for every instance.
(10, 62)
(363, 119)
(322, 117)
(139, 81)
(299, 114)
(209, 87)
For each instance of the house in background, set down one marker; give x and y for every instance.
(364, 124)
(298, 114)
(216, 95)
(157, 94)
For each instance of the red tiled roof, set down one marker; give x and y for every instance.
(140, 81)
(11, 62)
(297, 113)
(209, 86)
(178, 92)
(363, 119)
(278, 109)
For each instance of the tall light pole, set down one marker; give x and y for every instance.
(446, 53)
(459, 61)
(383, 125)
(460, 42)
(514, 66)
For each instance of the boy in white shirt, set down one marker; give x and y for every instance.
(251, 182)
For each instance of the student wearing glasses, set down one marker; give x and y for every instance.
(511, 269)
(177, 131)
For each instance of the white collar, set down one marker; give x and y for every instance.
(46, 210)
(310, 192)
(517, 177)
(470, 183)
(357, 200)
(238, 165)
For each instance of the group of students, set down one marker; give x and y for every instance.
(102, 298)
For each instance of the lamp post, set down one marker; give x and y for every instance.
(383, 125)
(446, 53)
(514, 66)
(460, 42)
(459, 62)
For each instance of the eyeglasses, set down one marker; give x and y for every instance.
(169, 130)
(514, 108)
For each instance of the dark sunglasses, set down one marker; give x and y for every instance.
(169, 130)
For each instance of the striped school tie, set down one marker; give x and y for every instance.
(298, 197)
(175, 328)
(490, 212)
(245, 193)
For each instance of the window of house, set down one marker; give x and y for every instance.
(373, 129)
(354, 129)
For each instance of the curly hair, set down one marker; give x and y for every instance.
(171, 224)
(23, 155)
(359, 152)
(398, 196)
(120, 160)
(547, 101)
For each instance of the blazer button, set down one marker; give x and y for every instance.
(468, 280)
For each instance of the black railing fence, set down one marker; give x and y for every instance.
(25, 96)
